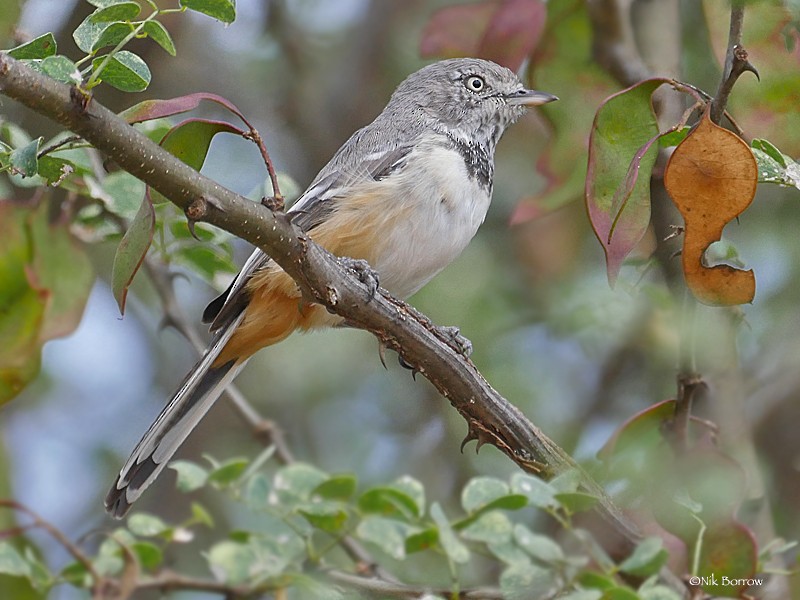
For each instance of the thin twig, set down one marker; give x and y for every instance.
(613, 43)
(56, 534)
(736, 62)
(386, 589)
(168, 581)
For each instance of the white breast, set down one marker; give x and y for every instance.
(446, 207)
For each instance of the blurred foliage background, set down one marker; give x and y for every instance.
(549, 333)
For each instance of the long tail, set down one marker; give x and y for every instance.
(198, 391)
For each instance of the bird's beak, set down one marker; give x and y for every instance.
(525, 97)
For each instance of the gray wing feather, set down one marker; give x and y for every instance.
(365, 156)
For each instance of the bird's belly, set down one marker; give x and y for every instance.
(412, 224)
(443, 209)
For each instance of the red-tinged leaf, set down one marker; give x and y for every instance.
(21, 306)
(513, 32)
(457, 30)
(642, 428)
(159, 109)
(189, 141)
(132, 250)
(714, 480)
(625, 189)
(623, 125)
(565, 47)
(728, 559)
(60, 270)
(45, 283)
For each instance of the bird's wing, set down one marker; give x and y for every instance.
(313, 207)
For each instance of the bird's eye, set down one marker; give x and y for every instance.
(475, 83)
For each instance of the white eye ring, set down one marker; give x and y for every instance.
(475, 83)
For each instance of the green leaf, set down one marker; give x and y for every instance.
(61, 270)
(61, 69)
(575, 502)
(647, 558)
(457, 551)
(568, 481)
(21, 307)
(582, 595)
(422, 540)
(40, 578)
(492, 527)
(132, 250)
(256, 492)
(148, 554)
(145, 525)
(123, 194)
(206, 261)
(328, 516)
(597, 581)
(87, 34)
(540, 547)
(481, 491)
(652, 590)
(774, 166)
(620, 593)
(40, 47)
(388, 502)
(222, 10)
(46, 280)
(673, 138)
(728, 549)
(770, 150)
(387, 534)
(510, 553)
(120, 11)
(209, 234)
(77, 575)
(191, 476)
(538, 492)
(524, 582)
(413, 489)
(112, 35)
(54, 170)
(228, 473)
(296, 482)
(12, 563)
(124, 71)
(189, 141)
(621, 157)
(201, 515)
(159, 34)
(231, 562)
(24, 161)
(338, 487)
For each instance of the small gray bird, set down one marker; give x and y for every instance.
(406, 193)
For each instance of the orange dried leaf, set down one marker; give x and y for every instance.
(712, 177)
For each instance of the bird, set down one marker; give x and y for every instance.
(406, 193)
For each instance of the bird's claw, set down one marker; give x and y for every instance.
(365, 273)
(453, 336)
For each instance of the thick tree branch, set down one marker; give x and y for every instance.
(320, 276)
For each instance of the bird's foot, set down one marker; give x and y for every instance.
(453, 336)
(365, 273)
